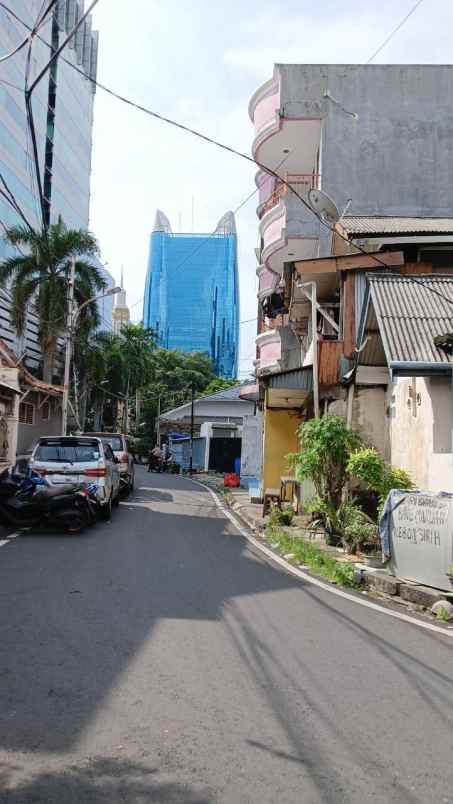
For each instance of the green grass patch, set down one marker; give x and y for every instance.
(320, 561)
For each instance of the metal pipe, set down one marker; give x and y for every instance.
(191, 430)
(349, 405)
(314, 340)
(68, 349)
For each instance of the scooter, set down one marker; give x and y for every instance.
(32, 501)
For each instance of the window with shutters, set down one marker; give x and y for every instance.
(26, 413)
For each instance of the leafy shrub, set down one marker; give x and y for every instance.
(280, 516)
(367, 465)
(395, 478)
(325, 514)
(325, 447)
(358, 531)
(370, 467)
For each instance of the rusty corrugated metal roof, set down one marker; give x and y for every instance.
(410, 313)
(394, 225)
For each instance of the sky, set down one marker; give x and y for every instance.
(199, 63)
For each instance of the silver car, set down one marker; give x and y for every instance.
(79, 459)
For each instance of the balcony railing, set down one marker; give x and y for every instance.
(302, 183)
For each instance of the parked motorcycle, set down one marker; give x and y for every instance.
(32, 501)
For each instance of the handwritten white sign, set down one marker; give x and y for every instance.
(421, 539)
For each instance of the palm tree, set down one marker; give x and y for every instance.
(39, 273)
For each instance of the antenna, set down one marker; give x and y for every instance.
(323, 205)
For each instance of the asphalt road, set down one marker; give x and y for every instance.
(159, 659)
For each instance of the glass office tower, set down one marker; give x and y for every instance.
(192, 293)
(63, 115)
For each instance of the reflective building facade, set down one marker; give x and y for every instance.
(63, 114)
(192, 293)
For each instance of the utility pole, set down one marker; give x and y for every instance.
(158, 421)
(314, 335)
(191, 430)
(138, 405)
(126, 405)
(68, 349)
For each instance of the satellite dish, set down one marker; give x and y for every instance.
(323, 205)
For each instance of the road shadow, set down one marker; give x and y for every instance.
(102, 781)
(76, 611)
(321, 745)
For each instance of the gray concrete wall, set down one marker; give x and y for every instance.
(397, 157)
(28, 434)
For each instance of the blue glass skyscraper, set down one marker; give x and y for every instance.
(192, 292)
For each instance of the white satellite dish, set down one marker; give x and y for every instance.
(323, 205)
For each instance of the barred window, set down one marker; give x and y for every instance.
(26, 413)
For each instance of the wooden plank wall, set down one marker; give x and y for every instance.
(329, 353)
(349, 314)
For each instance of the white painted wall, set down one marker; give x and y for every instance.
(252, 446)
(420, 428)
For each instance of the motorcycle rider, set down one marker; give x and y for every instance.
(155, 459)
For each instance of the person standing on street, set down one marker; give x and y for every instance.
(155, 459)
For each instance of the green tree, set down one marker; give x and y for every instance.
(173, 373)
(368, 466)
(39, 274)
(325, 447)
(218, 384)
(101, 365)
(114, 367)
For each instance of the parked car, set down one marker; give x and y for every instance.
(80, 459)
(122, 450)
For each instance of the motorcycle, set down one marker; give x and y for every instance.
(32, 501)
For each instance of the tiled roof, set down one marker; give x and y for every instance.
(10, 358)
(410, 313)
(384, 224)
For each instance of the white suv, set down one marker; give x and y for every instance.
(79, 459)
(122, 451)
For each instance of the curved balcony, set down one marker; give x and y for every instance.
(264, 108)
(287, 234)
(271, 189)
(266, 185)
(286, 140)
(268, 282)
(270, 349)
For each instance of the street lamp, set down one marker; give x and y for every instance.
(71, 322)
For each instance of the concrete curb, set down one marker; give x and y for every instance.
(281, 563)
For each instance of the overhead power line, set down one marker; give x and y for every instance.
(395, 30)
(223, 146)
(13, 52)
(216, 143)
